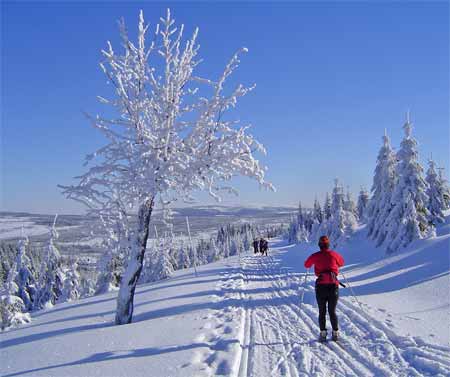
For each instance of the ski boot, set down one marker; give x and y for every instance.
(335, 335)
(323, 336)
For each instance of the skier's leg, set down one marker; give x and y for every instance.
(322, 303)
(332, 303)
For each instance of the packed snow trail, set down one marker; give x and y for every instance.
(242, 317)
(279, 334)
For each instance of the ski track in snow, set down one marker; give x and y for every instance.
(277, 334)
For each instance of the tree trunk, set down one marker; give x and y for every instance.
(124, 311)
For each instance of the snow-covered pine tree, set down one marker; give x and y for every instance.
(337, 197)
(446, 189)
(12, 308)
(51, 278)
(408, 219)
(349, 204)
(72, 285)
(293, 230)
(317, 211)
(300, 215)
(24, 279)
(327, 207)
(115, 234)
(183, 256)
(153, 153)
(163, 269)
(341, 222)
(435, 191)
(384, 181)
(363, 200)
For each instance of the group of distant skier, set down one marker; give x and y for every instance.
(261, 246)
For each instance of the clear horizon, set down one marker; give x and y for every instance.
(330, 77)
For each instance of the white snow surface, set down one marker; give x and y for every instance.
(11, 227)
(243, 317)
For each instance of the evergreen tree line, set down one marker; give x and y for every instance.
(33, 279)
(404, 204)
(168, 253)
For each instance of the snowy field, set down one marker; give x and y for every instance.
(14, 227)
(243, 317)
(75, 231)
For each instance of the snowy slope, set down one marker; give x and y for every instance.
(243, 317)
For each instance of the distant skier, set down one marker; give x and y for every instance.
(326, 267)
(256, 246)
(263, 246)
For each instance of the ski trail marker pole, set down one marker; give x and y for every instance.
(304, 286)
(192, 248)
(351, 291)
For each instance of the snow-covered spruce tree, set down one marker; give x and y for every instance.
(408, 219)
(337, 197)
(115, 234)
(183, 256)
(12, 308)
(363, 200)
(327, 207)
(24, 278)
(300, 214)
(317, 212)
(71, 290)
(292, 233)
(163, 268)
(51, 277)
(384, 181)
(446, 189)
(169, 138)
(435, 191)
(349, 204)
(341, 222)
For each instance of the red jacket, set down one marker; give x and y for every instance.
(325, 261)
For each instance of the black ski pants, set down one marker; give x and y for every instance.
(327, 294)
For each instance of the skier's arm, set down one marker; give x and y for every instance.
(309, 262)
(340, 260)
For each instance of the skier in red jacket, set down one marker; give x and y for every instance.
(326, 267)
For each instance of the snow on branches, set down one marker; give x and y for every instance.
(168, 138)
(172, 135)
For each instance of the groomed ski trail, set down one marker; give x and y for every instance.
(278, 334)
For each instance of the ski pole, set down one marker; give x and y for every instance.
(304, 286)
(351, 291)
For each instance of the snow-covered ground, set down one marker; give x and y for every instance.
(243, 317)
(14, 227)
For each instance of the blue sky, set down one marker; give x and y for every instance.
(330, 78)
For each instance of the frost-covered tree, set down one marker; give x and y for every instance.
(115, 234)
(349, 204)
(72, 289)
(163, 268)
(327, 207)
(446, 189)
(51, 278)
(408, 219)
(384, 181)
(183, 256)
(24, 275)
(317, 212)
(12, 307)
(341, 223)
(337, 197)
(363, 200)
(435, 191)
(300, 214)
(169, 137)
